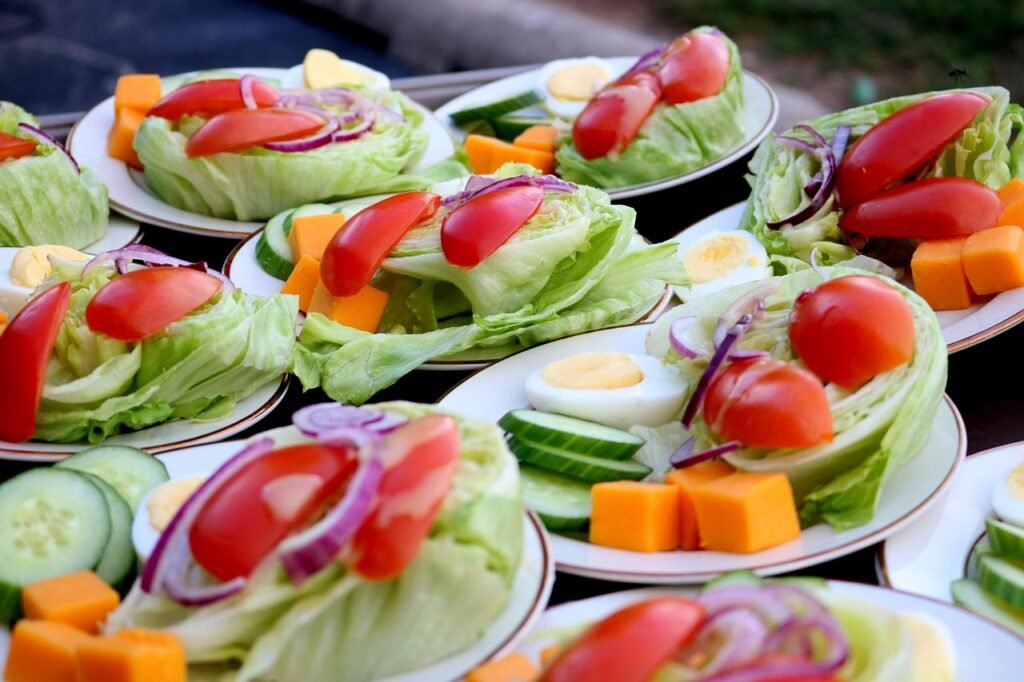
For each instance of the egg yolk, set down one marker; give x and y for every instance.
(31, 265)
(578, 82)
(168, 498)
(1015, 482)
(324, 69)
(715, 257)
(593, 371)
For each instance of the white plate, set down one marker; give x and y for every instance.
(167, 436)
(984, 651)
(129, 194)
(960, 328)
(929, 554)
(760, 111)
(530, 591)
(492, 392)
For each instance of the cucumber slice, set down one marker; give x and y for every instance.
(733, 578)
(493, 110)
(52, 522)
(117, 565)
(129, 471)
(570, 434)
(273, 252)
(585, 467)
(562, 503)
(1007, 540)
(970, 595)
(509, 128)
(1003, 580)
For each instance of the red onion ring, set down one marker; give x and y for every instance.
(245, 84)
(304, 144)
(151, 257)
(768, 605)
(317, 420)
(681, 461)
(645, 61)
(736, 636)
(354, 133)
(47, 139)
(676, 336)
(800, 599)
(750, 303)
(793, 636)
(475, 187)
(716, 362)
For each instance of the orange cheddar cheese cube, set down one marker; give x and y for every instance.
(687, 479)
(478, 149)
(137, 91)
(3, 321)
(938, 272)
(539, 137)
(310, 234)
(746, 512)
(542, 160)
(549, 653)
(994, 259)
(643, 517)
(132, 656)
(122, 135)
(511, 668)
(1011, 192)
(362, 310)
(80, 599)
(488, 154)
(303, 281)
(43, 651)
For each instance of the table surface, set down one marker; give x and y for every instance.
(990, 403)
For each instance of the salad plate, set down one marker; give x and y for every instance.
(760, 111)
(910, 491)
(130, 195)
(960, 328)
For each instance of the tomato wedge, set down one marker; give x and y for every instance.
(768, 404)
(14, 147)
(893, 148)
(242, 522)
(211, 97)
(25, 348)
(629, 645)
(241, 129)
(421, 457)
(477, 228)
(613, 117)
(850, 329)
(141, 303)
(694, 67)
(927, 209)
(355, 253)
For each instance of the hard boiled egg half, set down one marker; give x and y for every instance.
(568, 84)
(324, 69)
(22, 270)
(616, 389)
(1008, 497)
(720, 260)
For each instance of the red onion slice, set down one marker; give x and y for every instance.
(750, 303)
(714, 364)
(681, 461)
(646, 60)
(800, 599)
(355, 132)
(839, 142)
(388, 423)
(748, 354)
(815, 135)
(245, 84)
(151, 257)
(316, 420)
(734, 636)
(795, 636)
(474, 188)
(766, 604)
(359, 437)
(47, 139)
(677, 336)
(821, 184)
(304, 144)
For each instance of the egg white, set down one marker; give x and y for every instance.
(1008, 506)
(656, 400)
(566, 109)
(293, 78)
(746, 271)
(13, 297)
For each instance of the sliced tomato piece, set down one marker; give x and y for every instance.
(356, 251)
(25, 348)
(265, 502)
(141, 303)
(926, 209)
(768, 404)
(893, 148)
(420, 457)
(695, 66)
(613, 117)
(479, 227)
(241, 129)
(14, 147)
(629, 645)
(850, 329)
(211, 97)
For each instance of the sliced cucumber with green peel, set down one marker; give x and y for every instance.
(585, 467)
(970, 595)
(129, 471)
(273, 252)
(561, 502)
(509, 128)
(1006, 540)
(1002, 579)
(52, 522)
(117, 565)
(493, 110)
(569, 434)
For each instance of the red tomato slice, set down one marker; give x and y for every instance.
(211, 97)
(768, 404)
(241, 129)
(241, 523)
(364, 241)
(13, 147)
(927, 209)
(850, 329)
(694, 67)
(25, 348)
(613, 117)
(477, 228)
(893, 148)
(140, 303)
(421, 457)
(631, 644)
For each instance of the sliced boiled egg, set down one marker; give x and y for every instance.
(1008, 497)
(720, 260)
(616, 389)
(22, 270)
(568, 84)
(324, 69)
(167, 498)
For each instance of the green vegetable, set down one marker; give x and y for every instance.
(1002, 579)
(969, 594)
(561, 502)
(44, 198)
(591, 468)
(675, 138)
(493, 110)
(569, 433)
(129, 471)
(117, 565)
(509, 128)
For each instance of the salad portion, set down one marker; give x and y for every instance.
(47, 197)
